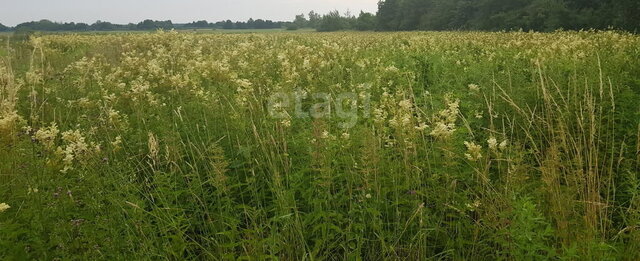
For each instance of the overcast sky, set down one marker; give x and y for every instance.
(13, 12)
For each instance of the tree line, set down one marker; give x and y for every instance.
(484, 15)
(146, 25)
(47, 25)
(493, 15)
(335, 21)
(409, 15)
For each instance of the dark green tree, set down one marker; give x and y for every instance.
(228, 25)
(300, 21)
(154, 25)
(537, 15)
(332, 22)
(388, 15)
(366, 22)
(314, 19)
(198, 25)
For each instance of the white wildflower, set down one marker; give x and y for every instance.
(474, 151)
(117, 143)
(325, 135)
(422, 126)
(405, 104)
(442, 130)
(493, 143)
(503, 145)
(478, 114)
(4, 207)
(47, 135)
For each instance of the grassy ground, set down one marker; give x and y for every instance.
(373, 146)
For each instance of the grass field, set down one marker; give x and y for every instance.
(310, 146)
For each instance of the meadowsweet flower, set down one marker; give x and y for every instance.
(475, 205)
(405, 104)
(422, 126)
(32, 190)
(244, 91)
(451, 113)
(442, 130)
(503, 145)
(4, 207)
(474, 87)
(9, 122)
(474, 151)
(445, 120)
(117, 143)
(243, 83)
(34, 77)
(478, 115)
(47, 135)
(392, 69)
(113, 115)
(325, 135)
(404, 120)
(493, 143)
(379, 115)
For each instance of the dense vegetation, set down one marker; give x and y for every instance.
(494, 15)
(338, 146)
(146, 25)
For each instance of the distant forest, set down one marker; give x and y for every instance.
(494, 15)
(411, 15)
(46, 25)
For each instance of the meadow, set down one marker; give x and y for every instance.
(320, 146)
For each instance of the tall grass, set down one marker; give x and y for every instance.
(462, 146)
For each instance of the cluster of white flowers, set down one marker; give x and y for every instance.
(9, 123)
(445, 120)
(495, 147)
(115, 119)
(47, 135)
(493, 143)
(117, 143)
(474, 206)
(325, 135)
(379, 115)
(474, 151)
(244, 91)
(75, 148)
(4, 207)
(403, 115)
(141, 90)
(422, 126)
